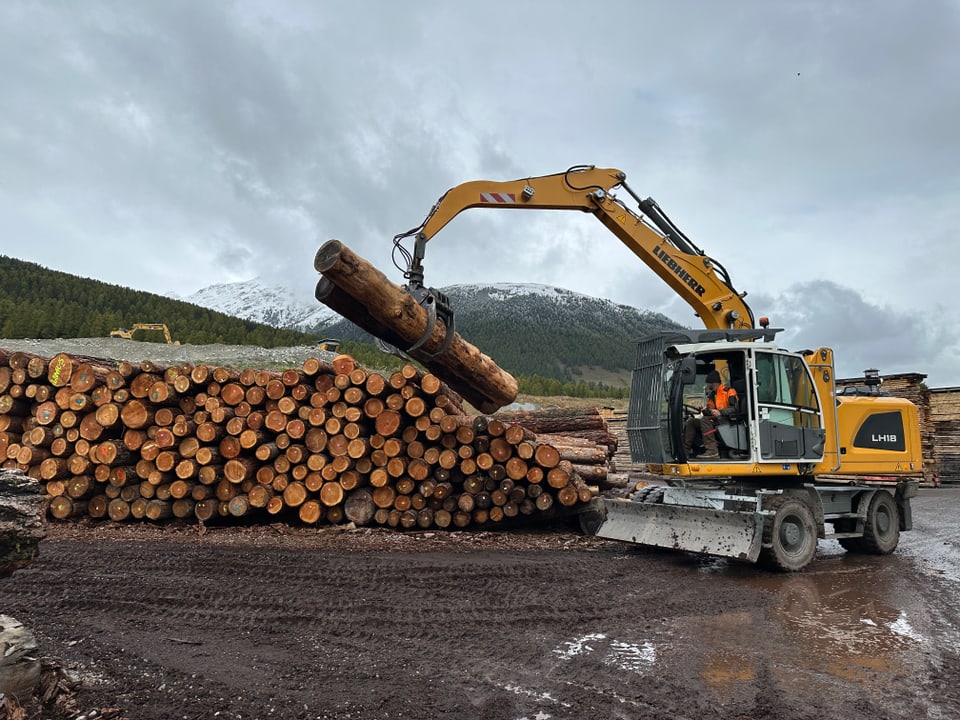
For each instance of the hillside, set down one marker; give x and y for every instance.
(36, 302)
(544, 335)
(529, 329)
(547, 331)
(275, 306)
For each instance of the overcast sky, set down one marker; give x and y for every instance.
(811, 147)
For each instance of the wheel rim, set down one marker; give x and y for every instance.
(793, 536)
(882, 522)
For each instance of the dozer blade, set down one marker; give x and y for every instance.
(679, 527)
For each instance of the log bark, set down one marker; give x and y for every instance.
(563, 421)
(468, 371)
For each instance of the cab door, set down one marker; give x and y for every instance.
(789, 416)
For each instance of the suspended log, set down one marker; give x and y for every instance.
(556, 420)
(468, 371)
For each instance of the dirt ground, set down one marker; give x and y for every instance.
(280, 622)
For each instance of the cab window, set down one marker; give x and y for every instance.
(786, 388)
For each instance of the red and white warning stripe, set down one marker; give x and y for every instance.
(488, 197)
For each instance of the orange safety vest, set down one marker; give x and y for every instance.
(721, 399)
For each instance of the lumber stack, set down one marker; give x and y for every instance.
(323, 443)
(945, 417)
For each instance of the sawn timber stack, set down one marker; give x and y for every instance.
(326, 442)
(362, 294)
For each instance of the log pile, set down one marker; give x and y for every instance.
(581, 436)
(326, 442)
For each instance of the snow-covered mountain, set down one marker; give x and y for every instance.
(529, 329)
(280, 307)
(271, 305)
(489, 296)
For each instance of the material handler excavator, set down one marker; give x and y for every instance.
(128, 334)
(798, 461)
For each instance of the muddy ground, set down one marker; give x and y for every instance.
(281, 622)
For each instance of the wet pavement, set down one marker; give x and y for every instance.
(863, 619)
(272, 622)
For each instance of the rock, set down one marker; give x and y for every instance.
(19, 664)
(21, 521)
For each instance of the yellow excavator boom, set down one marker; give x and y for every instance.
(697, 278)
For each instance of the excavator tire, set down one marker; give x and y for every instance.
(789, 536)
(591, 518)
(881, 531)
(649, 494)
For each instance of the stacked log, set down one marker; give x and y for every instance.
(582, 437)
(326, 442)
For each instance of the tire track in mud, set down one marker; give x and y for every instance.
(337, 610)
(481, 631)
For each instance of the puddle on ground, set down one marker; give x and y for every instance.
(850, 619)
(841, 612)
(723, 670)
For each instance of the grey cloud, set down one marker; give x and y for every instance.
(241, 136)
(863, 334)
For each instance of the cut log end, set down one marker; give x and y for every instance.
(327, 255)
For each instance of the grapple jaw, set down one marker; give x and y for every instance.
(438, 307)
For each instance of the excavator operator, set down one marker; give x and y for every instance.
(721, 403)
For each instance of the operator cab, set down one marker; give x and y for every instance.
(778, 420)
(733, 432)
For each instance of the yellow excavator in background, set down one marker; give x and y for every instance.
(796, 459)
(128, 334)
(328, 344)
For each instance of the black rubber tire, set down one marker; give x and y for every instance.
(881, 532)
(649, 494)
(591, 519)
(655, 495)
(789, 537)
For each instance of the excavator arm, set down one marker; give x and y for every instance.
(128, 334)
(156, 326)
(701, 281)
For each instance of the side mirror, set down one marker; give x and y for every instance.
(688, 370)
